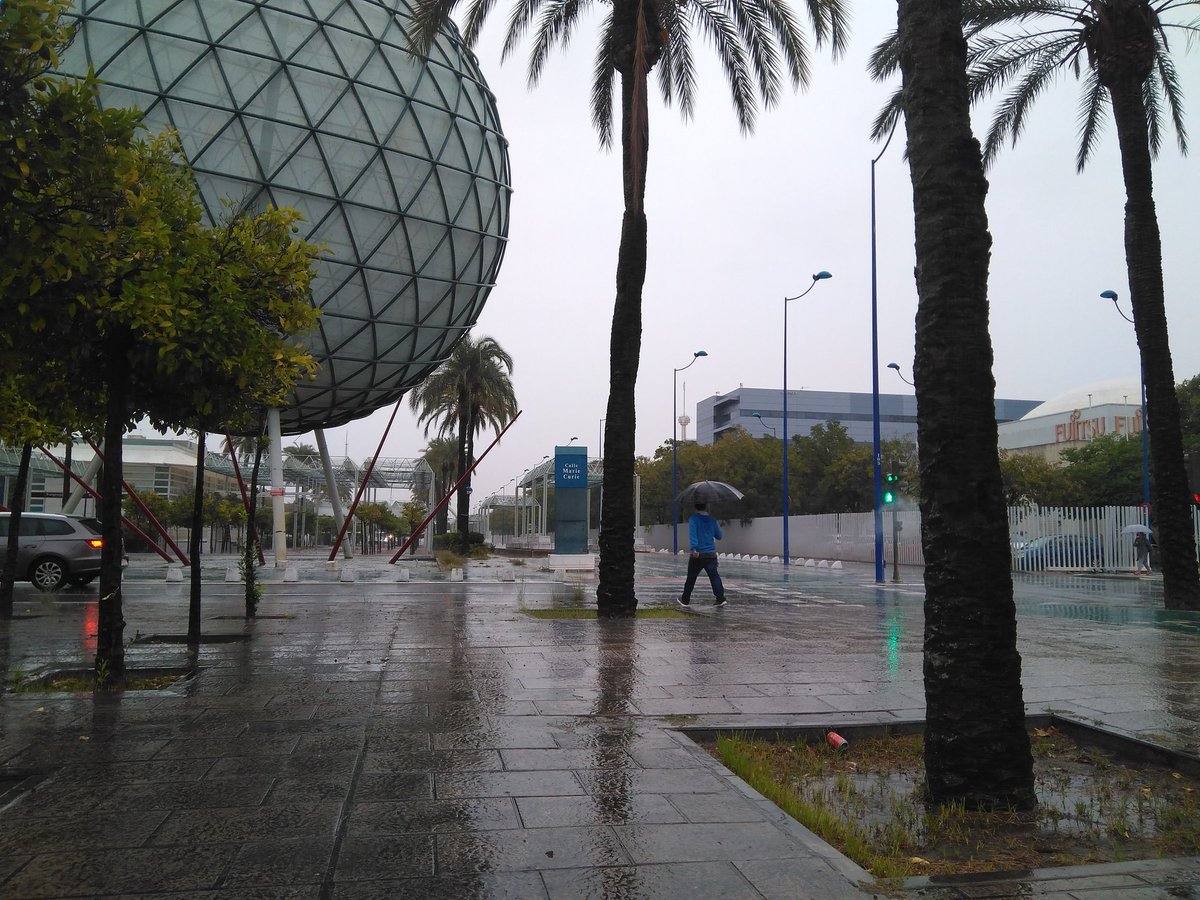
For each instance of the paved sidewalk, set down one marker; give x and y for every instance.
(431, 740)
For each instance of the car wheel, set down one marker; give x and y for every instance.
(48, 573)
(81, 581)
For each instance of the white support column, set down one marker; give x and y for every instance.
(335, 501)
(275, 442)
(89, 476)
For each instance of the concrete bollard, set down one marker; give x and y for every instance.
(346, 575)
(809, 563)
(291, 573)
(508, 574)
(823, 564)
(231, 574)
(403, 574)
(456, 574)
(837, 564)
(174, 574)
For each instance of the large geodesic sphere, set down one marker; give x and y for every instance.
(397, 163)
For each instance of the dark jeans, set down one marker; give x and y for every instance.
(705, 562)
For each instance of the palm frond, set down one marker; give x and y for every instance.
(1092, 114)
(884, 61)
(830, 23)
(723, 34)
(604, 73)
(1152, 100)
(428, 17)
(1173, 92)
(760, 50)
(476, 16)
(981, 14)
(790, 36)
(557, 20)
(994, 61)
(889, 116)
(677, 69)
(1009, 119)
(519, 20)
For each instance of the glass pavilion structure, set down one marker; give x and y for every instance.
(397, 163)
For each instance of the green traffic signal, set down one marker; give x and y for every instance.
(891, 477)
(889, 497)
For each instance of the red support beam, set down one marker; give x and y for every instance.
(362, 487)
(251, 526)
(137, 501)
(96, 495)
(417, 532)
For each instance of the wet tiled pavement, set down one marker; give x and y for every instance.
(431, 740)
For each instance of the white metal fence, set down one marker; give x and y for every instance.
(1041, 537)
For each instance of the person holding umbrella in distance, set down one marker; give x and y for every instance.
(703, 533)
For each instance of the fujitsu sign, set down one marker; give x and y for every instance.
(1077, 429)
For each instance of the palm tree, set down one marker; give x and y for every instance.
(754, 40)
(976, 746)
(1120, 52)
(470, 390)
(441, 454)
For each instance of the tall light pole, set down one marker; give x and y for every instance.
(1112, 295)
(674, 449)
(876, 443)
(770, 428)
(820, 276)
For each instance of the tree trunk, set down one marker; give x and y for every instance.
(194, 544)
(615, 593)
(252, 535)
(110, 647)
(1172, 507)
(66, 485)
(463, 515)
(976, 746)
(16, 506)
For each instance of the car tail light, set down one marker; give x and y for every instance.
(96, 543)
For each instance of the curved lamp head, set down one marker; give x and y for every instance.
(571, 441)
(1109, 295)
(822, 276)
(895, 366)
(700, 353)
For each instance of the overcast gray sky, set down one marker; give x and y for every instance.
(736, 223)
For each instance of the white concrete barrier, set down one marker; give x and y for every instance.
(837, 564)
(823, 564)
(809, 563)
(456, 574)
(403, 574)
(174, 574)
(291, 574)
(232, 574)
(346, 575)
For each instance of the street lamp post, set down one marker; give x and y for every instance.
(896, 367)
(876, 443)
(820, 276)
(1112, 295)
(674, 449)
(770, 428)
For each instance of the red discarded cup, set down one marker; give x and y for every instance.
(836, 741)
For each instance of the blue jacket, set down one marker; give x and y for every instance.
(703, 532)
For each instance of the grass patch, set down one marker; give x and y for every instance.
(869, 801)
(448, 559)
(71, 683)
(480, 552)
(652, 612)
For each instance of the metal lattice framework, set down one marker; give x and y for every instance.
(397, 163)
(595, 473)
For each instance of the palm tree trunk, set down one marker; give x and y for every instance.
(615, 593)
(463, 516)
(976, 746)
(110, 648)
(1172, 507)
(16, 506)
(194, 544)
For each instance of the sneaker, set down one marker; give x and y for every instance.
(683, 602)
(720, 602)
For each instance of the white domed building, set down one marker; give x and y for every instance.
(1076, 418)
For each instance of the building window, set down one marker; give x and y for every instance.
(162, 481)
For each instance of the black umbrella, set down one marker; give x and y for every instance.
(708, 492)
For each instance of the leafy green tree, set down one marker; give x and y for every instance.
(1106, 471)
(412, 514)
(1030, 479)
(757, 42)
(976, 747)
(470, 390)
(1120, 52)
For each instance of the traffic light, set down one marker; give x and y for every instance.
(892, 482)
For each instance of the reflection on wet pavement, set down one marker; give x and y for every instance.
(430, 740)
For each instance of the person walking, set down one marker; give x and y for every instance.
(703, 533)
(1141, 550)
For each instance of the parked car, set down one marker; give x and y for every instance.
(53, 550)
(1061, 551)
